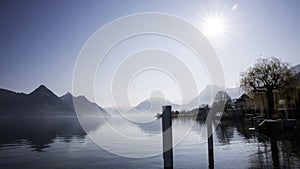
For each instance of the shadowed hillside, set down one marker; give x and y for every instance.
(43, 101)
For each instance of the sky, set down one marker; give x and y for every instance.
(41, 40)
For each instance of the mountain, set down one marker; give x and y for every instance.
(68, 99)
(9, 100)
(41, 101)
(234, 93)
(83, 106)
(155, 104)
(207, 95)
(296, 68)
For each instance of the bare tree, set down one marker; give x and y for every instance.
(222, 96)
(220, 101)
(267, 76)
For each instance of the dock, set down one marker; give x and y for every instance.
(278, 125)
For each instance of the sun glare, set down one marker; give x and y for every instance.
(214, 26)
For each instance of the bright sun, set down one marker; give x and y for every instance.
(214, 26)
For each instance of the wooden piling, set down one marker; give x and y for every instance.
(167, 137)
(210, 144)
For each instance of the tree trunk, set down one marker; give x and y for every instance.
(270, 97)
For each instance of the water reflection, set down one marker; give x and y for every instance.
(53, 137)
(40, 132)
(277, 151)
(224, 132)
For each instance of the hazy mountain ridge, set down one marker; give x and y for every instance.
(206, 96)
(42, 101)
(155, 104)
(234, 93)
(296, 68)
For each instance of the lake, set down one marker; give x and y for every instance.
(112, 142)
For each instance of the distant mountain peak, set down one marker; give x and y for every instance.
(42, 90)
(155, 104)
(42, 87)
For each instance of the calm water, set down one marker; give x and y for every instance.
(60, 142)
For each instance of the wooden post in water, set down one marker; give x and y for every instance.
(210, 143)
(167, 137)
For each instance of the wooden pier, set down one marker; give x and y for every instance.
(278, 125)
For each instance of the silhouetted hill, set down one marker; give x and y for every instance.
(10, 101)
(83, 106)
(68, 99)
(41, 102)
(43, 91)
